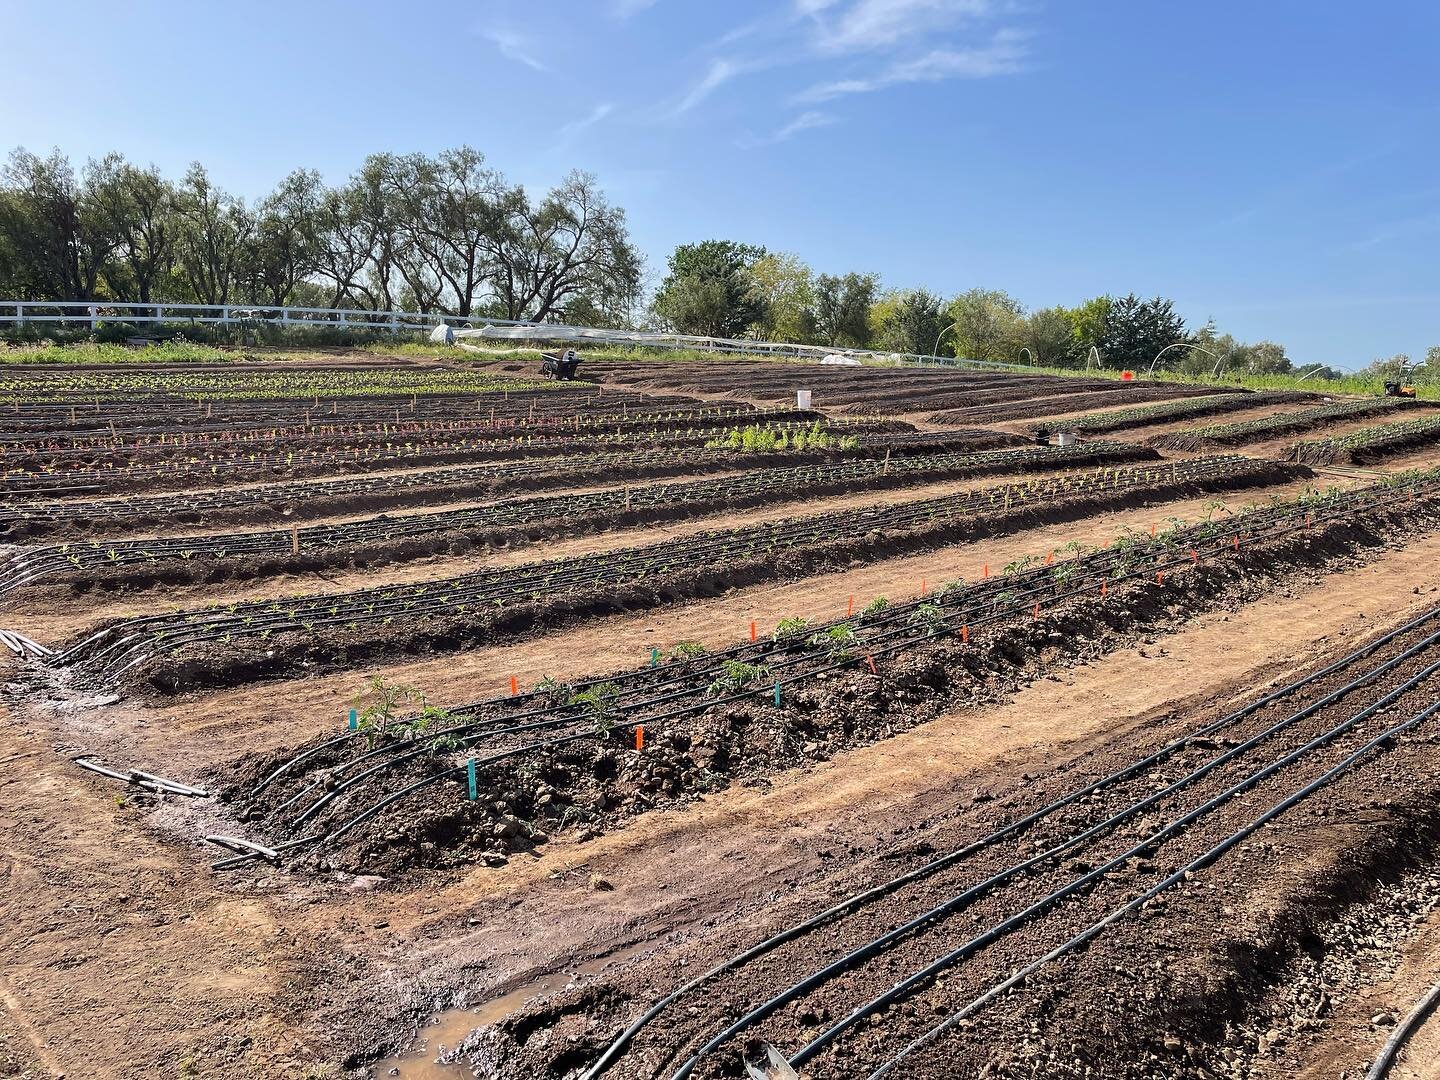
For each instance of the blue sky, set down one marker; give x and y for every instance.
(1272, 165)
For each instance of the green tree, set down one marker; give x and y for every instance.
(989, 325)
(709, 289)
(1136, 330)
(909, 322)
(1048, 337)
(784, 289)
(214, 233)
(1087, 328)
(842, 308)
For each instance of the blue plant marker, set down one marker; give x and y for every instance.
(354, 720)
(470, 773)
(777, 695)
(654, 657)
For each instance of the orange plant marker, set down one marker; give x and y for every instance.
(850, 607)
(514, 686)
(922, 586)
(639, 736)
(752, 632)
(985, 572)
(1104, 587)
(871, 661)
(1037, 609)
(1050, 558)
(965, 633)
(1237, 541)
(1159, 577)
(1152, 532)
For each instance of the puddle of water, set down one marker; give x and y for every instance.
(448, 1029)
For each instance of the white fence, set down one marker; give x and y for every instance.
(95, 313)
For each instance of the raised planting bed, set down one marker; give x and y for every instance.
(1056, 406)
(1371, 444)
(223, 645)
(180, 468)
(393, 795)
(116, 563)
(1266, 427)
(306, 500)
(1166, 411)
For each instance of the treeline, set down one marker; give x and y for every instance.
(443, 233)
(726, 289)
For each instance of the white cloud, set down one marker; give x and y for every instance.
(512, 46)
(806, 121)
(721, 71)
(590, 119)
(1004, 55)
(867, 25)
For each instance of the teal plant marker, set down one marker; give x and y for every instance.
(777, 695)
(470, 774)
(354, 720)
(654, 657)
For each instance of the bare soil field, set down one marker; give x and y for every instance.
(1005, 765)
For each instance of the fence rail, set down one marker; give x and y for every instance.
(94, 314)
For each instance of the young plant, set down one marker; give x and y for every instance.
(735, 675)
(789, 629)
(930, 616)
(686, 650)
(598, 703)
(836, 641)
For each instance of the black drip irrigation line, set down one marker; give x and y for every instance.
(1386, 738)
(1402, 1033)
(908, 984)
(1032, 589)
(860, 899)
(113, 650)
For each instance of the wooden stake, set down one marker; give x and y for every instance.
(294, 539)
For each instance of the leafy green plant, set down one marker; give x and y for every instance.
(598, 703)
(930, 616)
(735, 675)
(686, 650)
(835, 641)
(789, 629)
(378, 707)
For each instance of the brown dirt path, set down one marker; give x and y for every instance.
(121, 957)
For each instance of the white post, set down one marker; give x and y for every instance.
(394, 324)
(225, 315)
(159, 314)
(20, 314)
(91, 309)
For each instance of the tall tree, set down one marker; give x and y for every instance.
(56, 225)
(285, 248)
(214, 232)
(1049, 337)
(842, 308)
(140, 204)
(709, 289)
(571, 249)
(785, 290)
(989, 325)
(1136, 330)
(912, 323)
(1088, 321)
